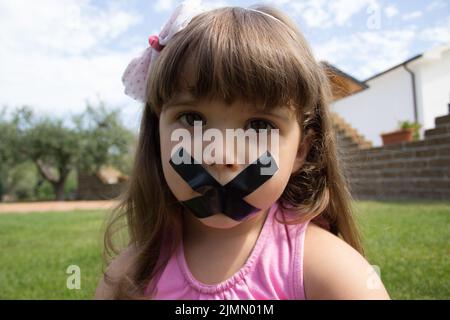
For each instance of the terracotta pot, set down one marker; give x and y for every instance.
(397, 136)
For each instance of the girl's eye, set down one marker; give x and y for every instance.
(260, 124)
(188, 118)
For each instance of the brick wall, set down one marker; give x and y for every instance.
(409, 170)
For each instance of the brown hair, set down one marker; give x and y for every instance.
(234, 54)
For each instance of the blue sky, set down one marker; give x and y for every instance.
(58, 54)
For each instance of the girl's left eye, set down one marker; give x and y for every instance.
(259, 124)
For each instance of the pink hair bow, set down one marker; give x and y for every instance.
(136, 74)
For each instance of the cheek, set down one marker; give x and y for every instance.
(181, 190)
(270, 191)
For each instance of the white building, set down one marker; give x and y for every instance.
(415, 90)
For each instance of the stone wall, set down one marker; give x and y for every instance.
(408, 170)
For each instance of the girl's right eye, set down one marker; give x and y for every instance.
(188, 118)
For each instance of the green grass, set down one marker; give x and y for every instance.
(37, 249)
(409, 241)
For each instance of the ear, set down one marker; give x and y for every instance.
(303, 151)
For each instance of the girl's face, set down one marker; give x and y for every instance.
(183, 110)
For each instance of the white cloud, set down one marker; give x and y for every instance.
(438, 34)
(436, 4)
(391, 11)
(367, 53)
(163, 5)
(326, 14)
(279, 3)
(411, 15)
(364, 54)
(56, 54)
(63, 27)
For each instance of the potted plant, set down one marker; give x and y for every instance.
(408, 131)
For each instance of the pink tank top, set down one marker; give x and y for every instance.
(273, 271)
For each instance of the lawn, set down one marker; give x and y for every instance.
(409, 241)
(37, 248)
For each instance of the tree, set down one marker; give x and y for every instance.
(104, 140)
(96, 138)
(53, 148)
(10, 154)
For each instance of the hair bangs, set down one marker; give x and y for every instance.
(223, 55)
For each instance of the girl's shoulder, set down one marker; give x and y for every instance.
(332, 269)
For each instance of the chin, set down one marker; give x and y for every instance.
(219, 221)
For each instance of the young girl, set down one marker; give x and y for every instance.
(214, 231)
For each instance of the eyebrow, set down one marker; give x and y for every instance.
(276, 115)
(188, 100)
(181, 101)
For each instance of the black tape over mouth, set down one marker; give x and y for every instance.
(216, 198)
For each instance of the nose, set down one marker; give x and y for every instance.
(221, 159)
